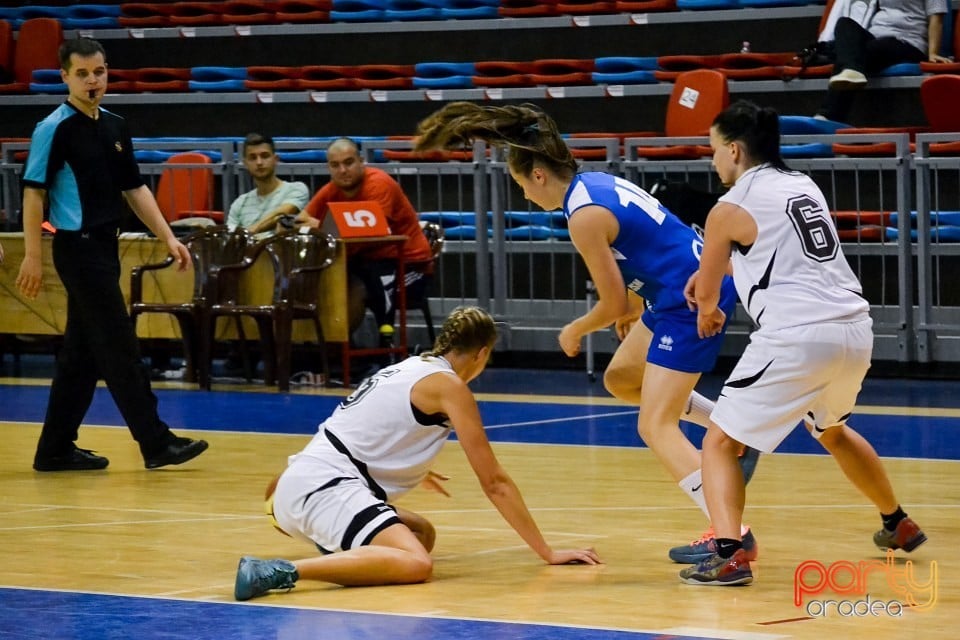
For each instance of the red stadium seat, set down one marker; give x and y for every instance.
(196, 14)
(162, 79)
(326, 78)
(145, 14)
(184, 192)
(562, 71)
(304, 11)
(754, 66)
(122, 80)
(586, 7)
(6, 52)
(527, 8)
(383, 76)
(243, 12)
(500, 73)
(433, 155)
(36, 48)
(272, 78)
(940, 95)
(697, 97)
(645, 6)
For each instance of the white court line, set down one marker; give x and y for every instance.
(564, 419)
(81, 525)
(722, 635)
(121, 509)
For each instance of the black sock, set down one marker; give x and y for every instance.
(891, 521)
(726, 547)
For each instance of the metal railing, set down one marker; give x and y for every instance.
(537, 285)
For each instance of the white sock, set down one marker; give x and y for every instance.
(698, 410)
(692, 485)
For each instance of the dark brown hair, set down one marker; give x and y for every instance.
(530, 135)
(83, 47)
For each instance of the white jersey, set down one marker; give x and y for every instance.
(375, 431)
(795, 272)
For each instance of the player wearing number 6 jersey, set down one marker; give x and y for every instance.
(630, 243)
(811, 351)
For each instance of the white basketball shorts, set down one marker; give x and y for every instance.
(810, 373)
(330, 507)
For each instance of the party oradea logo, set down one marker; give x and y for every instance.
(851, 582)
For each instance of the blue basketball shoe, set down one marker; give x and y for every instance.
(255, 577)
(706, 545)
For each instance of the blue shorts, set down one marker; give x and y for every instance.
(676, 344)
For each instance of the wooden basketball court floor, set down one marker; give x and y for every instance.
(130, 553)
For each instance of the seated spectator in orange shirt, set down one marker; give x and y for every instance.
(373, 269)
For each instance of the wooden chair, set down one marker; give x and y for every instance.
(209, 247)
(297, 258)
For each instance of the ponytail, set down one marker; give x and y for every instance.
(756, 128)
(530, 135)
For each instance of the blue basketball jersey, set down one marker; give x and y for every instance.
(655, 251)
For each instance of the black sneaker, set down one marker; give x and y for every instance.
(177, 451)
(76, 460)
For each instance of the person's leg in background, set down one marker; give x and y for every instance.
(858, 53)
(850, 46)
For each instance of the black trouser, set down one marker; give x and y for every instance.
(379, 278)
(857, 49)
(99, 341)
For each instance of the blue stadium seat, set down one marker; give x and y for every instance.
(469, 9)
(625, 64)
(47, 81)
(450, 219)
(92, 16)
(937, 234)
(769, 4)
(808, 150)
(304, 155)
(217, 79)
(902, 69)
(411, 10)
(215, 74)
(628, 77)
(700, 5)
(357, 10)
(216, 86)
(807, 125)
(941, 218)
(462, 232)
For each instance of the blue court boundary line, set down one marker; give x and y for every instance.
(109, 615)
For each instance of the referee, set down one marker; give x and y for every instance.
(81, 166)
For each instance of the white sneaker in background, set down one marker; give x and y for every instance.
(847, 79)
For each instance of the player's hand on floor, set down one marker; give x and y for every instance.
(574, 556)
(432, 482)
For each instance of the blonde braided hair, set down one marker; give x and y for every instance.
(465, 329)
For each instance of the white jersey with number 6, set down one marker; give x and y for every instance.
(795, 272)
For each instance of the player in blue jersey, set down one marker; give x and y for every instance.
(637, 252)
